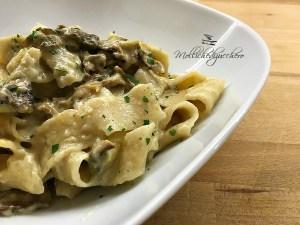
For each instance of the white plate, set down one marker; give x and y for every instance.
(172, 25)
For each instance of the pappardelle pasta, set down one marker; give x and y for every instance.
(78, 111)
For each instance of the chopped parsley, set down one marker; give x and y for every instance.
(127, 99)
(55, 148)
(150, 61)
(134, 122)
(123, 129)
(172, 132)
(145, 99)
(61, 71)
(153, 134)
(103, 116)
(131, 78)
(166, 96)
(146, 122)
(146, 111)
(33, 35)
(15, 46)
(110, 129)
(147, 141)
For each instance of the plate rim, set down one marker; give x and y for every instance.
(192, 167)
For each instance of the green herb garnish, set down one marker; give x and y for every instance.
(103, 116)
(126, 99)
(110, 128)
(61, 71)
(33, 35)
(145, 99)
(146, 111)
(146, 122)
(172, 132)
(150, 61)
(55, 148)
(131, 78)
(147, 141)
(15, 46)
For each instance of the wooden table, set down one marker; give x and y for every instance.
(254, 179)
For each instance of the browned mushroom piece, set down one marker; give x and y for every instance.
(110, 45)
(101, 155)
(51, 43)
(18, 94)
(45, 39)
(35, 38)
(85, 90)
(114, 81)
(75, 39)
(19, 202)
(47, 107)
(120, 52)
(46, 30)
(94, 63)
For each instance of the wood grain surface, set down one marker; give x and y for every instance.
(254, 179)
